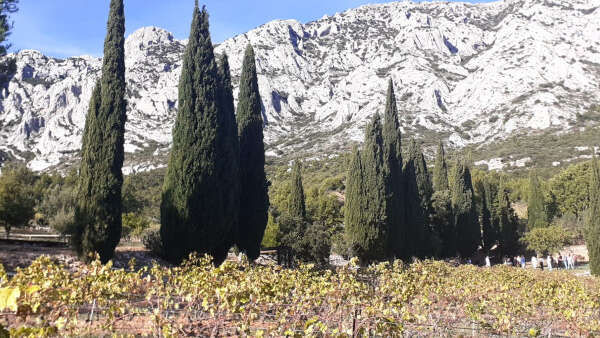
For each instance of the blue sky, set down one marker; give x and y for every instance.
(63, 28)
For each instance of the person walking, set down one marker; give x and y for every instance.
(523, 262)
(549, 264)
(566, 262)
(487, 261)
(534, 262)
(541, 263)
(559, 263)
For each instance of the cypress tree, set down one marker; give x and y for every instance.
(254, 203)
(355, 215)
(485, 216)
(392, 147)
(592, 227)
(536, 214)
(507, 224)
(296, 205)
(440, 171)
(468, 233)
(418, 198)
(369, 238)
(229, 147)
(442, 218)
(197, 198)
(99, 205)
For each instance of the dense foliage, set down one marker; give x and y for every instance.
(17, 200)
(199, 199)
(197, 299)
(6, 7)
(546, 240)
(98, 209)
(592, 229)
(253, 180)
(536, 211)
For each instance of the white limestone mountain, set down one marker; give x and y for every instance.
(470, 73)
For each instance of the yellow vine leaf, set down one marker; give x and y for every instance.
(8, 298)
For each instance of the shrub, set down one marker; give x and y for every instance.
(547, 240)
(63, 221)
(152, 241)
(133, 225)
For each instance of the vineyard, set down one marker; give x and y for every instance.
(197, 299)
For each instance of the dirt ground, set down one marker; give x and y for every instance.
(13, 256)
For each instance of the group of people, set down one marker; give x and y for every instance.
(567, 262)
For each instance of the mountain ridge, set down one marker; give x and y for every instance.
(470, 74)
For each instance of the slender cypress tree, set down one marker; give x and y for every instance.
(392, 147)
(508, 236)
(468, 233)
(440, 171)
(355, 215)
(254, 203)
(369, 238)
(418, 197)
(536, 214)
(592, 229)
(297, 208)
(442, 219)
(229, 148)
(485, 216)
(195, 216)
(99, 205)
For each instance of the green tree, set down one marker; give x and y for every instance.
(356, 204)
(592, 226)
(297, 207)
(253, 181)
(98, 209)
(571, 189)
(393, 179)
(6, 7)
(536, 212)
(440, 171)
(418, 195)
(485, 216)
(468, 233)
(197, 200)
(441, 203)
(508, 223)
(546, 240)
(16, 200)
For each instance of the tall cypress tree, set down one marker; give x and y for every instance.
(592, 226)
(355, 215)
(536, 213)
(418, 197)
(229, 148)
(195, 216)
(485, 216)
(440, 171)
(468, 233)
(369, 238)
(392, 147)
(508, 225)
(441, 202)
(99, 206)
(254, 203)
(297, 207)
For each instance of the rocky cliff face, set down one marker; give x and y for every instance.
(468, 73)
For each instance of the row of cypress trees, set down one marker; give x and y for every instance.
(215, 190)
(395, 209)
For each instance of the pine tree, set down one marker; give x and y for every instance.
(6, 7)
(369, 236)
(440, 171)
(297, 207)
(592, 226)
(196, 199)
(392, 146)
(418, 198)
(536, 213)
(98, 209)
(253, 181)
(468, 233)
(508, 225)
